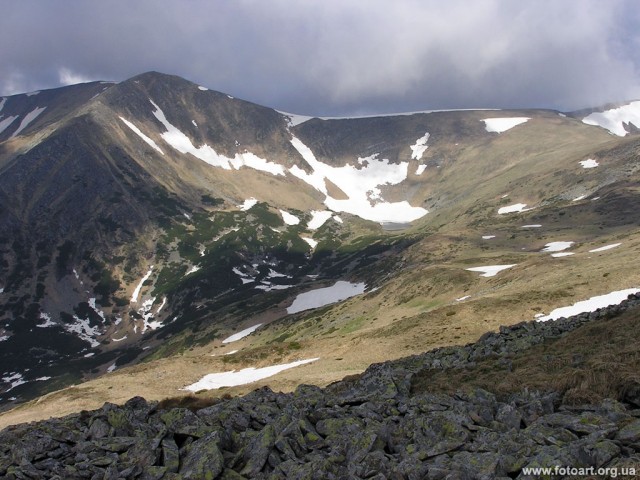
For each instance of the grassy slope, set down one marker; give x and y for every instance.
(415, 308)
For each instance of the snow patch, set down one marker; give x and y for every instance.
(518, 207)
(119, 339)
(320, 297)
(15, 379)
(138, 132)
(248, 203)
(616, 119)
(418, 149)
(490, 270)
(214, 381)
(289, 219)
(590, 305)
(204, 89)
(488, 237)
(562, 254)
(83, 330)
(178, 140)
(29, 117)
(606, 247)
(47, 321)
(499, 125)
(589, 163)
(193, 269)
(462, 299)
(361, 184)
(4, 124)
(241, 334)
(556, 246)
(136, 292)
(318, 218)
(337, 219)
(581, 197)
(536, 225)
(312, 243)
(420, 170)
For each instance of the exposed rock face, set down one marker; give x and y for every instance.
(372, 427)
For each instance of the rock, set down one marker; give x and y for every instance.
(630, 433)
(202, 459)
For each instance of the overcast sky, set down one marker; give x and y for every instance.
(333, 57)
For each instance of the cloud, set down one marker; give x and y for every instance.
(68, 77)
(339, 56)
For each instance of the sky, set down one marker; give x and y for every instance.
(337, 57)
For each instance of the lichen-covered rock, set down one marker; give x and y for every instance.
(202, 459)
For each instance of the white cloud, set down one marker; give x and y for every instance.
(68, 77)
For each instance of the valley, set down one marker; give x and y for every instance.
(145, 223)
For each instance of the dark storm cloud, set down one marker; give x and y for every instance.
(330, 57)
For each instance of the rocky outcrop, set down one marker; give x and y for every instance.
(372, 427)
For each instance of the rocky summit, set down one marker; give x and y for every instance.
(383, 424)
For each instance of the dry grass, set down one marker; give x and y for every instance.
(599, 360)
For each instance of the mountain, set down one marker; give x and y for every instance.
(145, 222)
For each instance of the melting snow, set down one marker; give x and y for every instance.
(561, 254)
(589, 163)
(318, 218)
(537, 225)
(518, 207)
(232, 352)
(488, 237)
(4, 337)
(361, 186)
(241, 334)
(178, 140)
(490, 270)
(320, 297)
(119, 339)
(581, 197)
(194, 123)
(420, 170)
(267, 287)
(248, 203)
(499, 125)
(606, 247)
(204, 89)
(137, 131)
(556, 246)
(420, 147)
(111, 368)
(294, 119)
(590, 305)
(29, 117)
(136, 292)
(4, 100)
(461, 299)
(289, 219)
(615, 119)
(246, 375)
(4, 124)
(337, 219)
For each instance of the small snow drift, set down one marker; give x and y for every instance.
(490, 270)
(320, 297)
(616, 119)
(138, 132)
(288, 218)
(248, 203)
(499, 125)
(214, 381)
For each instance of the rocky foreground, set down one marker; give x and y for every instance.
(371, 427)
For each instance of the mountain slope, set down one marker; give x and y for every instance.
(149, 220)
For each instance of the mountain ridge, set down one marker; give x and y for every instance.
(90, 207)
